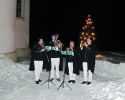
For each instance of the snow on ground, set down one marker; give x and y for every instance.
(17, 83)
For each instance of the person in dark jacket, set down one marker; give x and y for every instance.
(37, 57)
(70, 63)
(87, 59)
(55, 58)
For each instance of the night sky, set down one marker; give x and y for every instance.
(66, 17)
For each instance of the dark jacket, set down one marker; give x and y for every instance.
(36, 54)
(54, 54)
(73, 59)
(87, 54)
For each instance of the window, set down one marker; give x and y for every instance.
(20, 8)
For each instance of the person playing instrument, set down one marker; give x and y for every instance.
(70, 63)
(87, 59)
(37, 57)
(55, 58)
(58, 42)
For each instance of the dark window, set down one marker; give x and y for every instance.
(20, 8)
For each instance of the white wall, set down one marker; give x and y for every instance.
(14, 33)
(22, 28)
(7, 25)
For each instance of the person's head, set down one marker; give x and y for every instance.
(40, 41)
(89, 41)
(71, 44)
(53, 37)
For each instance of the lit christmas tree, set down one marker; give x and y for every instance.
(88, 31)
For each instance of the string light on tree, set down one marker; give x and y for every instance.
(87, 31)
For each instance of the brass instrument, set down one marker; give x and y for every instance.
(83, 44)
(58, 44)
(69, 49)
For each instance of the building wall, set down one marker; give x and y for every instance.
(22, 28)
(14, 32)
(7, 25)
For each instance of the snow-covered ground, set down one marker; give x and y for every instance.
(17, 83)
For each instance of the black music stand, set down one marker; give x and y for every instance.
(48, 80)
(63, 82)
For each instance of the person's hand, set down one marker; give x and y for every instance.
(42, 50)
(85, 44)
(67, 49)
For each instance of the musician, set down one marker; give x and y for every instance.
(37, 57)
(70, 63)
(60, 45)
(55, 57)
(87, 59)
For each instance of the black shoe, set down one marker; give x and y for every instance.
(37, 82)
(88, 83)
(51, 79)
(40, 80)
(58, 79)
(73, 81)
(84, 82)
(69, 81)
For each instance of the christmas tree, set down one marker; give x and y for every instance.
(88, 31)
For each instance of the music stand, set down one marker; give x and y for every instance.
(63, 82)
(48, 80)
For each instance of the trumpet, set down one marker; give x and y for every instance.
(82, 45)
